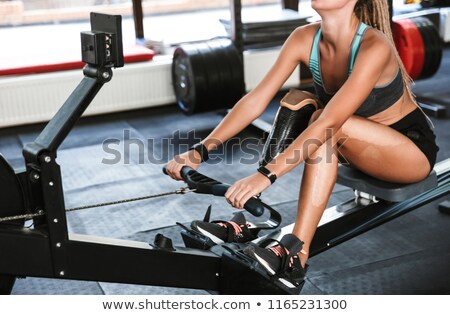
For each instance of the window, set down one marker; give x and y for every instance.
(26, 12)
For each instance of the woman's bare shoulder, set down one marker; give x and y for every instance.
(300, 41)
(376, 42)
(306, 32)
(377, 56)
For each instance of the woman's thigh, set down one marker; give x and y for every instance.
(381, 151)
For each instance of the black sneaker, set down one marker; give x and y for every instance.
(234, 231)
(280, 258)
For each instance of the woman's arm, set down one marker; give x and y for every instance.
(372, 60)
(252, 105)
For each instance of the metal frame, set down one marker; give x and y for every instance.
(138, 17)
(236, 22)
(48, 250)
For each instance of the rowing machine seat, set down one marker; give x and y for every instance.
(362, 182)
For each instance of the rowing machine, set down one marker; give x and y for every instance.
(375, 203)
(47, 249)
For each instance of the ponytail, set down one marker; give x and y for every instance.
(376, 14)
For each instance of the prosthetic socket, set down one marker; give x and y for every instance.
(291, 120)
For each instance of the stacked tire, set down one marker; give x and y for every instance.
(207, 76)
(419, 46)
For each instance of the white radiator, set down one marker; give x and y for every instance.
(444, 26)
(36, 98)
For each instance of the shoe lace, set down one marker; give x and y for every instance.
(237, 228)
(277, 250)
(283, 252)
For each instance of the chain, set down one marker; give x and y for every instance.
(183, 190)
(22, 216)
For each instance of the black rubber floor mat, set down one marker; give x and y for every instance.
(405, 274)
(40, 286)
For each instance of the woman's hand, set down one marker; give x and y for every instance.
(242, 190)
(190, 158)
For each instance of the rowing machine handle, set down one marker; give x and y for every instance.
(184, 171)
(253, 205)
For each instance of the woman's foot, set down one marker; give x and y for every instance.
(279, 258)
(234, 231)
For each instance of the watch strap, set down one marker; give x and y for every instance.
(271, 176)
(201, 149)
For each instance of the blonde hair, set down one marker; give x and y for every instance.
(376, 14)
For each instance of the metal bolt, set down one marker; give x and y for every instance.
(50, 183)
(217, 274)
(58, 245)
(105, 75)
(61, 273)
(36, 176)
(47, 159)
(40, 211)
(55, 220)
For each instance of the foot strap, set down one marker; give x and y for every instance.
(288, 248)
(232, 228)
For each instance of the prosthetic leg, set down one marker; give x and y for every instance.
(280, 262)
(291, 119)
(232, 239)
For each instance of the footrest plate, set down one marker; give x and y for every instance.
(242, 275)
(196, 240)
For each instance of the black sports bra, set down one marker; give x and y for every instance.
(378, 100)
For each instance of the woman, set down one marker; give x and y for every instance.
(369, 107)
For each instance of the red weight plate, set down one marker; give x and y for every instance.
(410, 46)
(402, 43)
(418, 48)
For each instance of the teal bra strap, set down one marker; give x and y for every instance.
(314, 58)
(356, 43)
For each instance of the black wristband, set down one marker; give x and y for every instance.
(271, 176)
(201, 149)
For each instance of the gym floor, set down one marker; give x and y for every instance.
(409, 255)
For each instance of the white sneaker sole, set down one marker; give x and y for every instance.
(213, 238)
(272, 272)
(265, 264)
(287, 283)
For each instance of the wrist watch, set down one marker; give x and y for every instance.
(271, 176)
